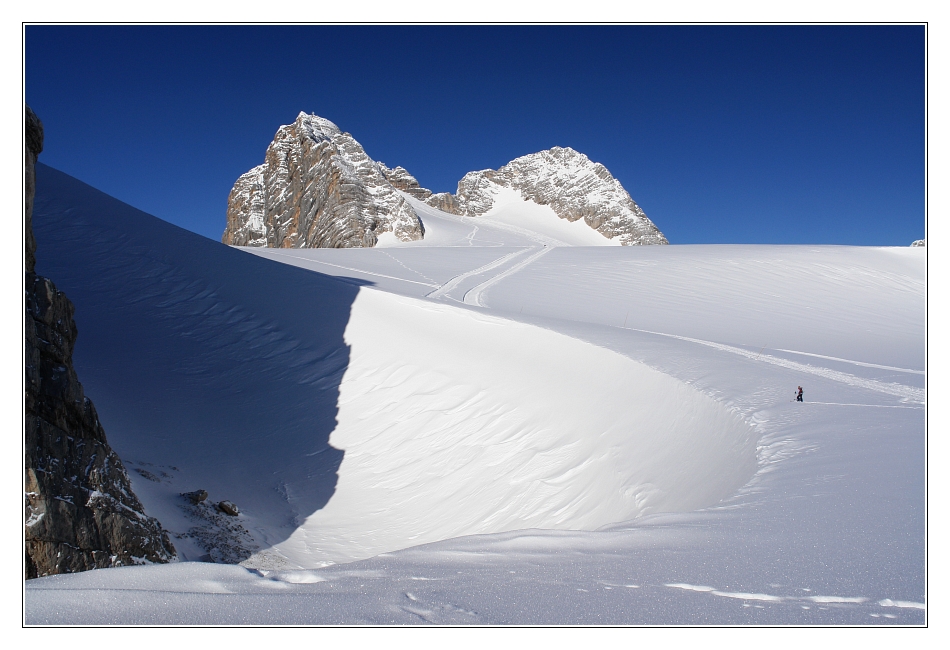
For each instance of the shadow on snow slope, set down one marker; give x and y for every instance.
(211, 369)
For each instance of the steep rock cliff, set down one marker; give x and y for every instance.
(317, 188)
(80, 511)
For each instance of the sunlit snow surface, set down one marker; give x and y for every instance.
(572, 434)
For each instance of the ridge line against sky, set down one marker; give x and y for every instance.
(722, 134)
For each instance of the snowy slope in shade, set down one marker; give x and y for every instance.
(828, 530)
(211, 369)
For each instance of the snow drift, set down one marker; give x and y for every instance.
(489, 426)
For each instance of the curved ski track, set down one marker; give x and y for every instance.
(906, 393)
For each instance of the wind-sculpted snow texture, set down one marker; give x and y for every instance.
(506, 430)
(317, 188)
(573, 186)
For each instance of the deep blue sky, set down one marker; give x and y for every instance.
(729, 134)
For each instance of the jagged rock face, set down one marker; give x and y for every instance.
(573, 186)
(444, 201)
(80, 511)
(402, 180)
(317, 188)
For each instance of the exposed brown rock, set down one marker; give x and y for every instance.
(317, 188)
(445, 202)
(402, 180)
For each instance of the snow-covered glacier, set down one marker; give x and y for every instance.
(490, 425)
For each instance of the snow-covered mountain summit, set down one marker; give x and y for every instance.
(571, 184)
(318, 189)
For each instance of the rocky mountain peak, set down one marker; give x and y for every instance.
(317, 188)
(572, 185)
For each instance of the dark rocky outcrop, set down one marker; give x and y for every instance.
(80, 511)
(33, 130)
(196, 497)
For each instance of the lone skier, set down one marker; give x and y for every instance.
(798, 397)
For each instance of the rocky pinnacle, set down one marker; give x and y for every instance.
(317, 188)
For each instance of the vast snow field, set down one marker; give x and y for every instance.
(500, 424)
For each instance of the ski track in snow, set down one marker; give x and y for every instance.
(458, 279)
(474, 295)
(541, 239)
(379, 275)
(771, 598)
(471, 236)
(874, 406)
(855, 363)
(411, 270)
(898, 390)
